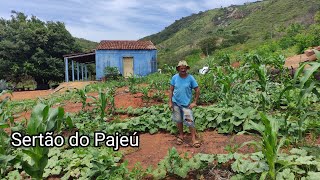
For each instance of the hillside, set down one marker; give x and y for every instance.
(86, 45)
(251, 24)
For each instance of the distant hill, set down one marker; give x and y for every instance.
(249, 24)
(86, 45)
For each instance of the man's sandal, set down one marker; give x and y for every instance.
(196, 144)
(179, 141)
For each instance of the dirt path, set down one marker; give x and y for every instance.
(22, 95)
(153, 148)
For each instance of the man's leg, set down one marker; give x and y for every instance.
(177, 117)
(195, 142)
(180, 128)
(193, 134)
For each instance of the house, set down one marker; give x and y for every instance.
(138, 58)
(130, 57)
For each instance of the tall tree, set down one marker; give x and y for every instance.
(31, 47)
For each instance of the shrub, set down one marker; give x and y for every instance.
(111, 72)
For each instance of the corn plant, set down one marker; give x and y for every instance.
(6, 120)
(145, 92)
(5, 112)
(225, 81)
(43, 119)
(305, 85)
(83, 96)
(102, 103)
(110, 97)
(269, 144)
(261, 72)
(171, 70)
(104, 99)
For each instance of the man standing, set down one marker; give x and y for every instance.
(180, 97)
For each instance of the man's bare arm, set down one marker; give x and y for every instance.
(170, 97)
(196, 98)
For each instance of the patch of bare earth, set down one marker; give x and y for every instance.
(22, 95)
(153, 148)
(293, 61)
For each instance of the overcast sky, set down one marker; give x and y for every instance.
(112, 19)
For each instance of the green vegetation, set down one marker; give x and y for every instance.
(238, 28)
(243, 100)
(111, 73)
(86, 45)
(282, 109)
(33, 49)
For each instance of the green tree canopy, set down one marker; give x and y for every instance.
(31, 47)
(208, 45)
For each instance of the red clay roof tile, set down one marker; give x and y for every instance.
(124, 44)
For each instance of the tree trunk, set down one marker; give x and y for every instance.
(42, 84)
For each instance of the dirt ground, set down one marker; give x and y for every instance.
(293, 61)
(153, 148)
(22, 95)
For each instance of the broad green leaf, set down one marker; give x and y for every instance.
(313, 175)
(298, 72)
(69, 122)
(4, 125)
(314, 67)
(317, 53)
(35, 123)
(301, 152)
(285, 174)
(14, 175)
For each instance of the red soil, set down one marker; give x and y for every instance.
(153, 148)
(21, 95)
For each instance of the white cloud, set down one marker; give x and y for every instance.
(112, 19)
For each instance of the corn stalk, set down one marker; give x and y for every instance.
(269, 144)
(43, 119)
(306, 85)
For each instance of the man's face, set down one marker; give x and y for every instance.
(182, 70)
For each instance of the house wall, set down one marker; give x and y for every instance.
(144, 61)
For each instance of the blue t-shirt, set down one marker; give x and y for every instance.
(182, 93)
